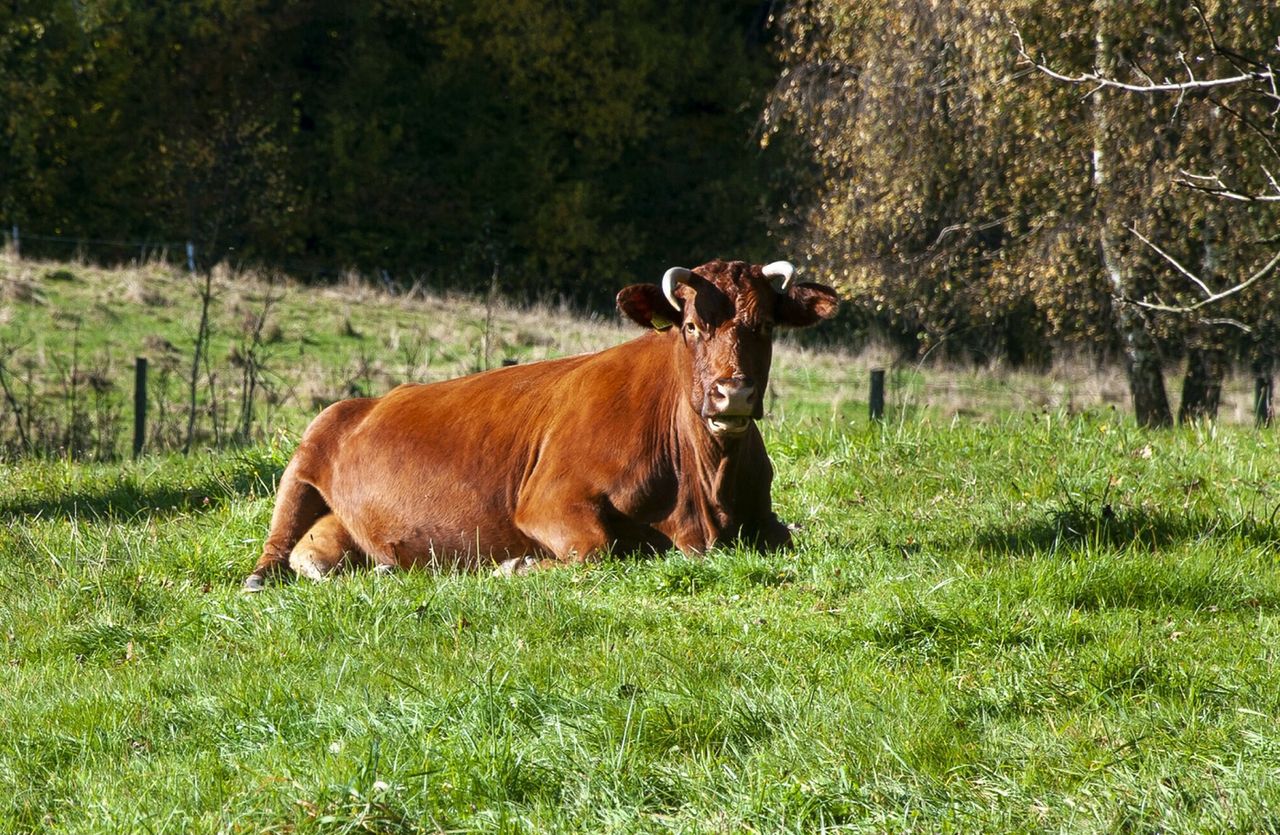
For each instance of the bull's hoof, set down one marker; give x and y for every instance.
(254, 583)
(515, 567)
(304, 565)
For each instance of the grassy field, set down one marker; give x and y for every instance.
(1033, 621)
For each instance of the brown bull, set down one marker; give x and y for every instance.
(642, 446)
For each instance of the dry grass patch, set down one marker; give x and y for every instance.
(21, 289)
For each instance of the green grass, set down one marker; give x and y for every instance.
(1045, 622)
(995, 620)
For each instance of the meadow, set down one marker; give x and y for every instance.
(1035, 618)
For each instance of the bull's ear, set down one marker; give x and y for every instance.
(805, 304)
(645, 305)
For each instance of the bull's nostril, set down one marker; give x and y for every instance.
(732, 395)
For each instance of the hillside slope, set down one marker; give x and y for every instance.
(69, 334)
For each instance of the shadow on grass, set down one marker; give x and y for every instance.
(129, 493)
(1133, 527)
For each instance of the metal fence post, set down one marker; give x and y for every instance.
(17, 242)
(191, 257)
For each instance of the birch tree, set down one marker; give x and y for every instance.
(1143, 364)
(968, 200)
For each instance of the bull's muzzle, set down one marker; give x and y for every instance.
(730, 405)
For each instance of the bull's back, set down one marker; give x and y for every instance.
(433, 471)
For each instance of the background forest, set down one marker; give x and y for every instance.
(969, 204)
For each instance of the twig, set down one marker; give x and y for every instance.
(252, 375)
(14, 406)
(1213, 184)
(1228, 322)
(73, 403)
(969, 228)
(489, 302)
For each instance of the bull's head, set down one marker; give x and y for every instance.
(726, 312)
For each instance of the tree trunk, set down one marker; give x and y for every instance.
(1142, 355)
(1262, 390)
(1202, 385)
(1145, 369)
(1206, 357)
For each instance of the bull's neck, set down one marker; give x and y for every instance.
(707, 467)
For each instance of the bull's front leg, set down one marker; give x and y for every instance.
(761, 531)
(770, 535)
(298, 506)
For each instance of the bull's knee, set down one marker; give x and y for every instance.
(323, 550)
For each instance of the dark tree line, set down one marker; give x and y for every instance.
(572, 145)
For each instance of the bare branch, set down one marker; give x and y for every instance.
(1231, 323)
(1216, 297)
(1166, 256)
(1166, 87)
(1260, 79)
(1266, 75)
(1264, 133)
(1235, 59)
(1213, 184)
(970, 229)
(11, 399)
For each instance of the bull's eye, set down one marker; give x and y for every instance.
(691, 329)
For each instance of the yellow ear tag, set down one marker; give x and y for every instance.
(660, 324)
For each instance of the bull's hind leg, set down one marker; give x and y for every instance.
(298, 506)
(324, 549)
(519, 566)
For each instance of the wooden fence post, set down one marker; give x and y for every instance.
(139, 405)
(877, 394)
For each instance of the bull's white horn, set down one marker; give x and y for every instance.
(780, 272)
(674, 276)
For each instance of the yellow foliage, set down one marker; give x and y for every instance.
(956, 193)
